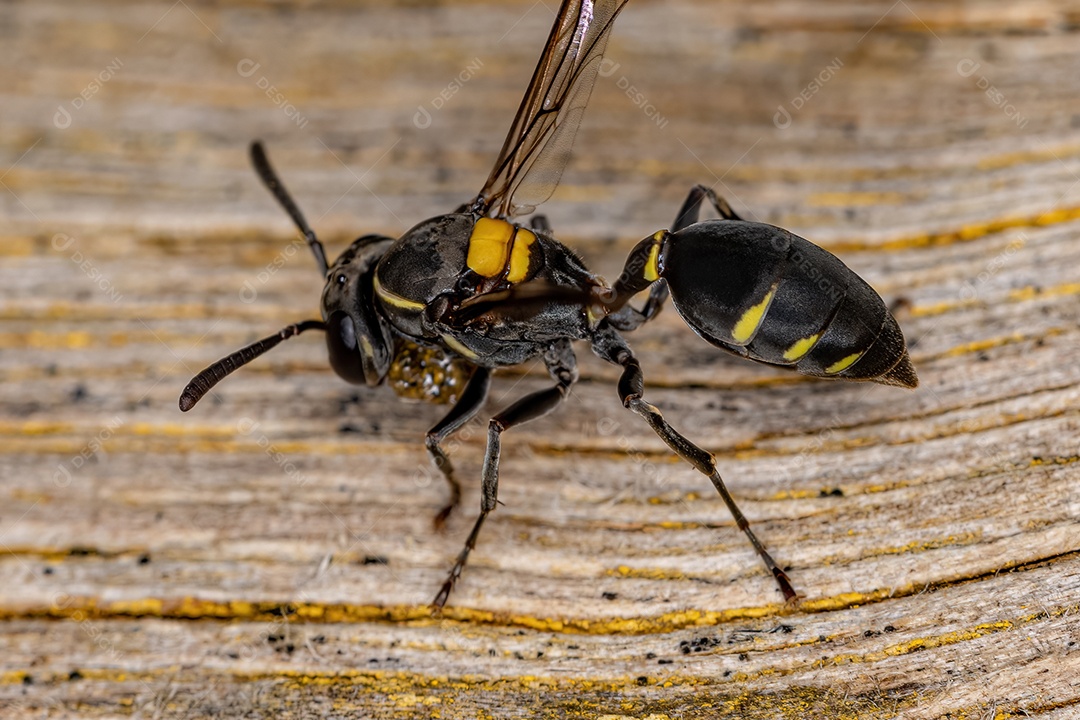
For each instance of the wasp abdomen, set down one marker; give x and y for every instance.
(768, 295)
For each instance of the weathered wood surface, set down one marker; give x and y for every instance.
(204, 565)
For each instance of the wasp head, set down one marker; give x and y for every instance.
(359, 340)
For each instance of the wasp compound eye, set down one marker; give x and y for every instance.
(345, 356)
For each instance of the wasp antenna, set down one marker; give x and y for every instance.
(273, 183)
(211, 376)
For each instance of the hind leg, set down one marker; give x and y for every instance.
(610, 346)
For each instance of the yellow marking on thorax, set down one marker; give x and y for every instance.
(843, 363)
(497, 247)
(489, 246)
(651, 272)
(392, 298)
(457, 346)
(520, 255)
(801, 347)
(751, 319)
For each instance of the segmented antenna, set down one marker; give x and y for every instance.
(211, 376)
(273, 183)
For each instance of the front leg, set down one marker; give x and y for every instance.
(562, 366)
(463, 411)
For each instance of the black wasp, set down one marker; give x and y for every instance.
(435, 311)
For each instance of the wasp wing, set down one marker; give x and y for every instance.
(518, 302)
(537, 147)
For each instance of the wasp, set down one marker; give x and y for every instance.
(434, 312)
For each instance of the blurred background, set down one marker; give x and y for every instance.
(271, 552)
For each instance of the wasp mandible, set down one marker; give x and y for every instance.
(475, 290)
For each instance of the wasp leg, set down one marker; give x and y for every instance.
(562, 367)
(691, 209)
(463, 411)
(610, 346)
(540, 223)
(630, 318)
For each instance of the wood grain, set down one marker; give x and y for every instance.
(271, 554)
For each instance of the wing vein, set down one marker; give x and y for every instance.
(537, 147)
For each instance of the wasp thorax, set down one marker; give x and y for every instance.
(429, 374)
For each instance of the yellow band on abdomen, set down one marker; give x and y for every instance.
(801, 347)
(751, 319)
(843, 363)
